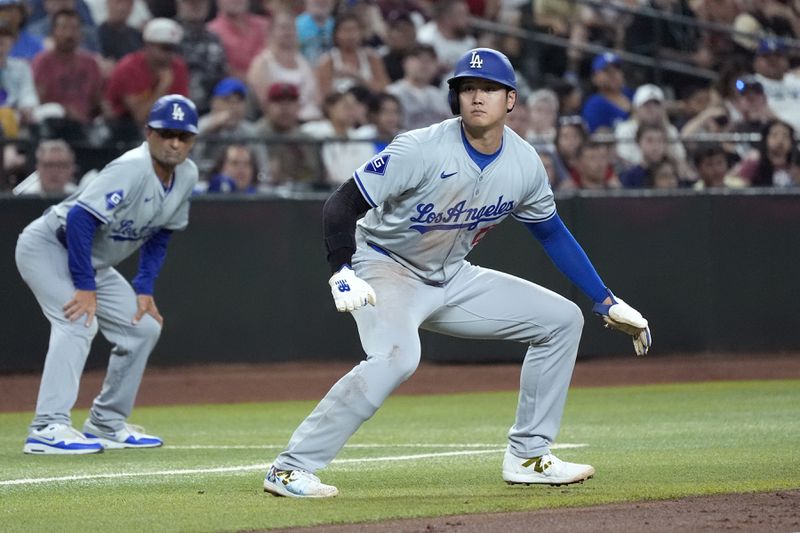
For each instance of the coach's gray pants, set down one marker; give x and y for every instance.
(477, 303)
(42, 262)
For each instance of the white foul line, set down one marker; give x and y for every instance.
(247, 468)
(564, 446)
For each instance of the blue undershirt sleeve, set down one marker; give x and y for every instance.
(568, 256)
(80, 230)
(151, 259)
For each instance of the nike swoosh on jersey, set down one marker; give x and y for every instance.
(445, 176)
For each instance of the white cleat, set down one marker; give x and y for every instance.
(60, 439)
(546, 470)
(129, 436)
(296, 484)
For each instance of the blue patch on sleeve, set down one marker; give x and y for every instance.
(114, 198)
(378, 165)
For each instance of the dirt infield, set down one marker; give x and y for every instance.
(768, 512)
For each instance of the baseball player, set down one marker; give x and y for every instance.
(429, 197)
(67, 258)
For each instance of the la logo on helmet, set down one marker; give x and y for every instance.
(476, 61)
(177, 112)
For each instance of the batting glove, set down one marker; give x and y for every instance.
(349, 291)
(622, 317)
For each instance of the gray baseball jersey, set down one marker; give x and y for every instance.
(130, 200)
(433, 203)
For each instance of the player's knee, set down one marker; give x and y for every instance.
(403, 362)
(148, 328)
(569, 317)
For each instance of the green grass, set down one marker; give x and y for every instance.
(651, 442)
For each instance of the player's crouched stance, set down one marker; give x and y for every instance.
(429, 197)
(67, 258)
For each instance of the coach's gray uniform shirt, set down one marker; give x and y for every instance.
(132, 204)
(433, 203)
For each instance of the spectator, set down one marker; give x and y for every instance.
(422, 103)
(17, 89)
(519, 120)
(594, 169)
(235, 171)
(349, 63)
(282, 62)
(137, 18)
(385, 120)
(570, 97)
(714, 169)
(42, 27)
(26, 45)
(751, 103)
(651, 141)
(448, 33)
(294, 161)
(242, 33)
(694, 99)
(116, 37)
(782, 88)
(665, 174)
(611, 103)
(226, 122)
(401, 36)
(55, 171)
(315, 29)
(648, 109)
(370, 20)
(570, 135)
(141, 78)
(339, 157)
(771, 164)
(68, 75)
(543, 109)
(202, 51)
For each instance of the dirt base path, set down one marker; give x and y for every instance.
(766, 512)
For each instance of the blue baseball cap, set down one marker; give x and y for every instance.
(603, 60)
(770, 45)
(230, 86)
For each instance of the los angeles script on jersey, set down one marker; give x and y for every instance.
(126, 231)
(458, 216)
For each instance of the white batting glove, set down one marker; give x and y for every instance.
(349, 291)
(622, 317)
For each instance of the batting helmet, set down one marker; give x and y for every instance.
(483, 63)
(173, 112)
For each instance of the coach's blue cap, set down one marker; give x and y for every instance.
(230, 86)
(770, 45)
(603, 60)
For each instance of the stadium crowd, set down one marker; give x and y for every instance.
(294, 94)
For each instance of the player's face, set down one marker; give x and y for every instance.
(169, 148)
(484, 103)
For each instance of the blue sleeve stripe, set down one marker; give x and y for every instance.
(533, 220)
(569, 257)
(93, 211)
(363, 190)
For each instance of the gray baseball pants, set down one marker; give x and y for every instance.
(42, 262)
(477, 303)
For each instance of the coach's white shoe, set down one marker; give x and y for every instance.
(60, 439)
(546, 469)
(296, 484)
(129, 436)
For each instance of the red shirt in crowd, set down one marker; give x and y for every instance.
(132, 76)
(72, 80)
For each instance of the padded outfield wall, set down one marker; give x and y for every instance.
(247, 282)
